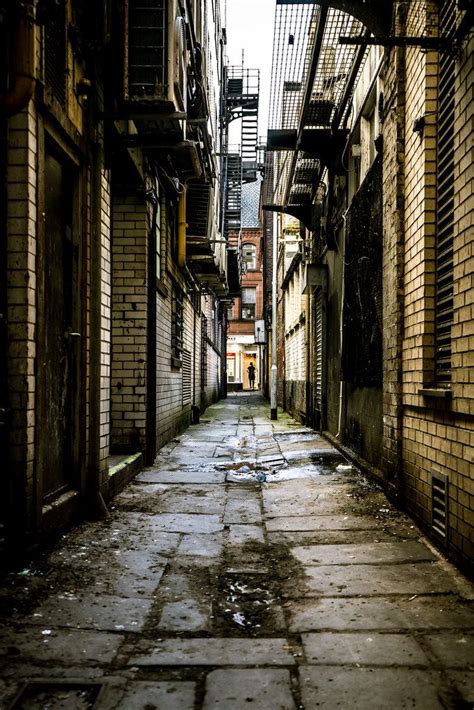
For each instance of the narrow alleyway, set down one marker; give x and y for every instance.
(251, 566)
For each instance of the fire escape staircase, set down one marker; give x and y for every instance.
(240, 102)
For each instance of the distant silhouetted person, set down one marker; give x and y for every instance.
(251, 371)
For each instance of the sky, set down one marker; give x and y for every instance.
(249, 25)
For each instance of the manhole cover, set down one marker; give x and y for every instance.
(56, 695)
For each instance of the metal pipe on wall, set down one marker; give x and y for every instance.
(273, 377)
(22, 68)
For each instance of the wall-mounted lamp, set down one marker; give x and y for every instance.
(83, 91)
(419, 125)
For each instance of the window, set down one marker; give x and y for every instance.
(249, 298)
(249, 253)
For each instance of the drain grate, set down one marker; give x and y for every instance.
(439, 506)
(56, 695)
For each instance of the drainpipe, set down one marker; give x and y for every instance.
(341, 328)
(182, 229)
(22, 62)
(273, 376)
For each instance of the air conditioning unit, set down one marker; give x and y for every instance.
(155, 55)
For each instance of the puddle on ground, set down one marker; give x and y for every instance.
(39, 695)
(321, 464)
(246, 604)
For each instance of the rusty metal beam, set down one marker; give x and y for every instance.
(376, 15)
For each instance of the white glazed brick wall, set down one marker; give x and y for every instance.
(129, 326)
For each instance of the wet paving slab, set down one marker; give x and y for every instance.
(251, 565)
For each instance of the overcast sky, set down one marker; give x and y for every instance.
(250, 28)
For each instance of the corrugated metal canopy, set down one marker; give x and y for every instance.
(312, 78)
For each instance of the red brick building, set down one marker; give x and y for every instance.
(246, 331)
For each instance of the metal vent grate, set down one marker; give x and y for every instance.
(439, 506)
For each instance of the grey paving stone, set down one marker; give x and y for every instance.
(180, 477)
(329, 537)
(354, 614)
(370, 553)
(282, 499)
(124, 574)
(134, 530)
(65, 646)
(363, 688)
(147, 695)
(321, 522)
(354, 580)
(214, 652)
(89, 611)
(453, 650)
(194, 503)
(364, 649)
(187, 523)
(240, 534)
(242, 510)
(263, 689)
(184, 615)
(464, 684)
(201, 545)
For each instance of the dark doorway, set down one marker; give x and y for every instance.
(61, 327)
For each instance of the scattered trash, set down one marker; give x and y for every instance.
(344, 467)
(46, 632)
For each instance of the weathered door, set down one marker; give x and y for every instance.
(61, 336)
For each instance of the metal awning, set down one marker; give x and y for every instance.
(312, 81)
(319, 52)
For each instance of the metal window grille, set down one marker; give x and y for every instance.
(203, 352)
(445, 204)
(55, 62)
(147, 74)
(186, 377)
(177, 325)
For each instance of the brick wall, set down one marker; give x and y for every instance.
(129, 326)
(438, 434)
(21, 264)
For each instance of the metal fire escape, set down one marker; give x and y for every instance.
(240, 165)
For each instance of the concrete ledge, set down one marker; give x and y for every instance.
(123, 472)
(60, 514)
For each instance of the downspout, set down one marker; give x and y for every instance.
(341, 328)
(22, 62)
(182, 229)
